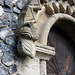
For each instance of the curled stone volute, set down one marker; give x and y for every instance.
(26, 38)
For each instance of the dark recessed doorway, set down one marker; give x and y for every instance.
(63, 63)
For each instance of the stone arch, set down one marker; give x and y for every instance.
(42, 16)
(45, 28)
(39, 19)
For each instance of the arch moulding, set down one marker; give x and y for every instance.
(33, 29)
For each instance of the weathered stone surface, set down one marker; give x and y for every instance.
(13, 69)
(14, 1)
(1, 53)
(9, 3)
(43, 67)
(11, 49)
(1, 11)
(14, 17)
(7, 59)
(35, 2)
(3, 70)
(8, 9)
(29, 66)
(4, 32)
(2, 48)
(3, 23)
(12, 25)
(7, 16)
(16, 10)
(10, 41)
(20, 4)
(2, 2)
(6, 47)
(29, 15)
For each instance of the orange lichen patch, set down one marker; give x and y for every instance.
(67, 63)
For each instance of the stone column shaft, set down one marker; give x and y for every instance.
(43, 67)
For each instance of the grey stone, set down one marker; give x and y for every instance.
(1, 11)
(13, 69)
(3, 70)
(14, 1)
(1, 53)
(2, 49)
(7, 59)
(12, 25)
(11, 49)
(20, 4)
(2, 2)
(5, 47)
(14, 17)
(16, 10)
(9, 3)
(8, 9)
(5, 32)
(3, 23)
(25, 1)
(10, 41)
(7, 16)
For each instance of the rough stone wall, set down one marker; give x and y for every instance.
(9, 11)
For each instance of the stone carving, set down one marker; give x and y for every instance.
(26, 38)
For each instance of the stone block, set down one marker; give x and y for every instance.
(9, 3)
(16, 10)
(35, 2)
(29, 66)
(29, 15)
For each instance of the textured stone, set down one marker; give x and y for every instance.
(2, 2)
(14, 17)
(43, 67)
(11, 49)
(13, 69)
(29, 15)
(6, 9)
(16, 10)
(10, 41)
(1, 53)
(12, 25)
(2, 49)
(4, 32)
(20, 4)
(3, 70)
(7, 16)
(7, 59)
(29, 66)
(14, 1)
(35, 2)
(9, 3)
(1, 11)
(6, 47)
(3, 23)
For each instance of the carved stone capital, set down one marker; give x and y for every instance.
(26, 38)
